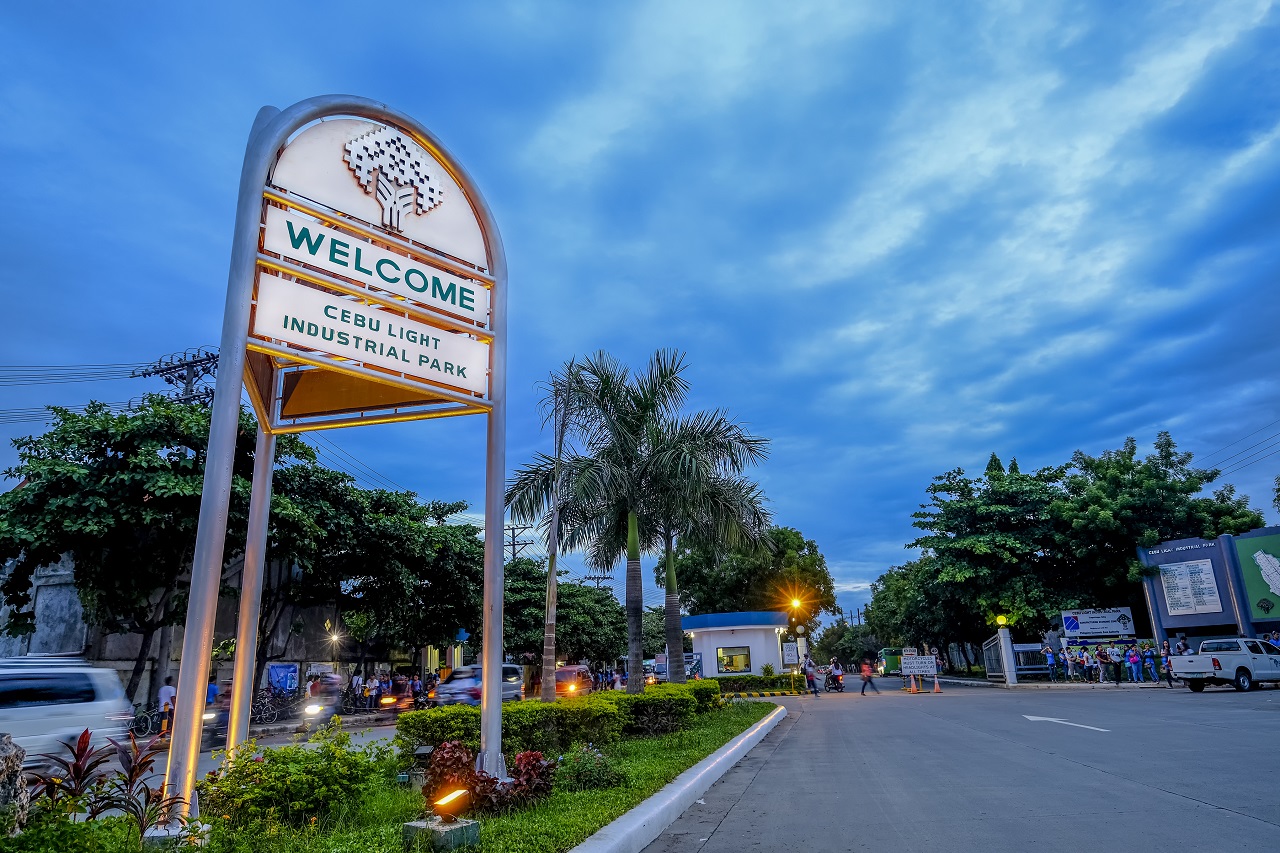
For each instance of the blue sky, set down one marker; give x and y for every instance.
(891, 237)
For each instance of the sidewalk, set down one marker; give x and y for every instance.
(1056, 685)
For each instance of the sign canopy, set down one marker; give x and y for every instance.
(373, 284)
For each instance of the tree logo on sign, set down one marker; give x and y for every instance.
(393, 169)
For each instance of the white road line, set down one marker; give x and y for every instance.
(1062, 722)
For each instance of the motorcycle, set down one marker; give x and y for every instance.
(835, 683)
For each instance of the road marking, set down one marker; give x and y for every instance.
(1063, 723)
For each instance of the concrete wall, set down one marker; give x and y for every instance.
(763, 643)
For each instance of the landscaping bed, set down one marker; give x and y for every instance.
(327, 796)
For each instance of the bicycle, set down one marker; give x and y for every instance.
(146, 721)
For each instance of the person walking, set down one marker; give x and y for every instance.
(867, 678)
(1166, 658)
(811, 676)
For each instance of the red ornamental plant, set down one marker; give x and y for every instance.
(453, 766)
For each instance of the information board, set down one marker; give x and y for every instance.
(790, 654)
(1190, 588)
(919, 665)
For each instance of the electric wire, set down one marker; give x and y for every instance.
(1238, 440)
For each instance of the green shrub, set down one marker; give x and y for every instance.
(766, 670)
(585, 769)
(756, 683)
(53, 831)
(590, 719)
(435, 726)
(660, 709)
(526, 726)
(535, 726)
(706, 692)
(291, 784)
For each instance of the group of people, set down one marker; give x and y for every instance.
(368, 691)
(810, 669)
(1132, 662)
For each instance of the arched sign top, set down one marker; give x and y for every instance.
(379, 174)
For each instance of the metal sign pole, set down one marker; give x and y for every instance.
(251, 591)
(490, 759)
(206, 564)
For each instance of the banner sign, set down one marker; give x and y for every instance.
(1190, 588)
(919, 665)
(306, 241)
(307, 317)
(1108, 622)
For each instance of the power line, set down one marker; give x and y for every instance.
(1225, 463)
(1238, 440)
(1266, 453)
(37, 414)
(60, 374)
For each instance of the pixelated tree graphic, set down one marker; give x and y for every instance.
(394, 170)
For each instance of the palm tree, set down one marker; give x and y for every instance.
(704, 498)
(612, 416)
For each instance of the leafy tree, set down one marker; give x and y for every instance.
(787, 567)
(410, 579)
(1116, 502)
(613, 416)
(590, 623)
(993, 537)
(119, 492)
(846, 642)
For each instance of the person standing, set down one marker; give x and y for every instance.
(1103, 657)
(1117, 660)
(1166, 658)
(1086, 664)
(1135, 664)
(1149, 663)
(867, 678)
(211, 695)
(1051, 660)
(168, 699)
(1182, 648)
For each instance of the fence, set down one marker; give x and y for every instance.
(992, 659)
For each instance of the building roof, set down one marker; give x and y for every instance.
(754, 619)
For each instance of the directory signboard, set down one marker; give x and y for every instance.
(1190, 588)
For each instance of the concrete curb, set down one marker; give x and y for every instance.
(765, 694)
(633, 832)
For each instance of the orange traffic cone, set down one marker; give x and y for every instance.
(936, 688)
(913, 688)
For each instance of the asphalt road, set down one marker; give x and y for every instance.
(966, 771)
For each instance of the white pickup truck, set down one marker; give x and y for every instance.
(1240, 663)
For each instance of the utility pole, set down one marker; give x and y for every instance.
(514, 544)
(597, 579)
(186, 371)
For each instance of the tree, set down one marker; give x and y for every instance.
(613, 416)
(410, 579)
(845, 642)
(591, 624)
(119, 493)
(787, 566)
(1115, 503)
(992, 537)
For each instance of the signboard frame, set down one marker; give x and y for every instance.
(919, 665)
(267, 367)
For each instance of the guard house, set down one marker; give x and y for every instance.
(737, 643)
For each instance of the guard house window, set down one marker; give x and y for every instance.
(733, 659)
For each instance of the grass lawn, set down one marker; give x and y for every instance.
(560, 822)
(566, 819)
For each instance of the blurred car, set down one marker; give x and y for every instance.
(462, 687)
(573, 681)
(46, 702)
